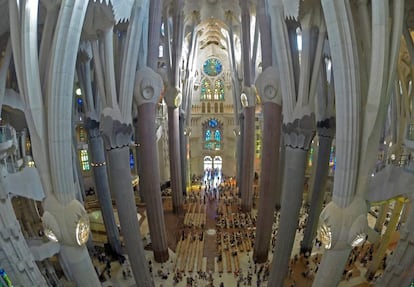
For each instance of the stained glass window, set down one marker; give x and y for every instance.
(212, 123)
(212, 67)
(219, 89)
(217, 135)
(208, 135)
(84, 159)
(206, 92)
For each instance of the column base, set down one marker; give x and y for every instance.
(260, 257)
(161, 256)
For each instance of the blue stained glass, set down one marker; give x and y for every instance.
(212, 67)
(208, 135)
(212, 123)
(217, 135)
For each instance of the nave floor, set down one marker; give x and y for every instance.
(209, 263)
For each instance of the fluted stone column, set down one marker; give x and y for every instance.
(297, 138)
(382, 215)
(147, 90)
(117, 136)
(173, 100)
(99, 168)
(15, 256)
(385, 240)
(267, 84)
(326, 132)
(247, 172)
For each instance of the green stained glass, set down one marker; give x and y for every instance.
(212, 67)
(205, 89)
(219, 89)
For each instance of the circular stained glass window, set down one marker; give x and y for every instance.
(212, 123)
(212, 67)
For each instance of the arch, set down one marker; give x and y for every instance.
(216, 108)
(221, 108)
(217, 162)
(208, 108)
(203, 108)
(208, 163)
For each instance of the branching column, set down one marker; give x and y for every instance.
(326, 132)
(247, 172)
(100, 174)
(379, 223)
(147, 90)
(268, 91)
(297, 138)
(173, 99)
(117, 136)
(399, 270)
(385, 240)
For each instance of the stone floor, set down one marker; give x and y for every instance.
(175, 225)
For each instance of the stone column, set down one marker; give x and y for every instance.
(379, 223)
(15, 256)
(340, 229)
(98, 163)
(68, 224)
(399, 270)
(173, 100)
(183, 152)
(147, 90)
(267, 83)
(326, 132)
(385, 240)
(117, 136)
(297, 138)
(240, 152)
(247, 172)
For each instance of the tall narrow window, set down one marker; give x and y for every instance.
(203, 108)
(216, 108)
(84, 158)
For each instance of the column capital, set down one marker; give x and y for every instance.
(300, 132)
(92, 125)
(268, 86)
(326, 127)
(173, 97)
(115, 132)
(343, 226)
(148, 86)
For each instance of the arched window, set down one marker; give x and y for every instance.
(217, 135)
(221, 108)
(208, 108)
(207, 135)
(219, 90)
(212, 130)
(206, 92)
(203, 108)
(216, 108)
